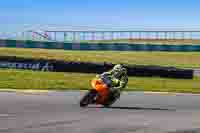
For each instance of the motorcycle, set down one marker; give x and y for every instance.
(99, 94)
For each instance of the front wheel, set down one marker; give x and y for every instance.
(88, 98)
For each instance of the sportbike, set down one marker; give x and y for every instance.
(99, 94)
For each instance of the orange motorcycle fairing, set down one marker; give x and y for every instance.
(102, 89)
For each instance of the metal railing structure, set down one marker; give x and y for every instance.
(12, 35)
(79, 36)
(76, 36)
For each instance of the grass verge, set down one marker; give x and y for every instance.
(176, 59)
(20, 79)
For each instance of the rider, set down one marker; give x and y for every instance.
(119, 78)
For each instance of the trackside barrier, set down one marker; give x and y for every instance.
(98, 46)
(86, 67)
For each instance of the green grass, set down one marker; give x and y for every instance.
(176, 59)
(25, 79)
(18, 79)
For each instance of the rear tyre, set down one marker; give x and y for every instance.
(88, 98)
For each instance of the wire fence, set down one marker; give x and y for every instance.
(81, 36)
(77, 36)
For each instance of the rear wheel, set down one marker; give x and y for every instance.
(88, 98)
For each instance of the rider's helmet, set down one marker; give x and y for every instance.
(119, 70)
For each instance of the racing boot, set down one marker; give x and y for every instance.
(114, 94)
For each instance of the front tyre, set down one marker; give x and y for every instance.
(88, 98)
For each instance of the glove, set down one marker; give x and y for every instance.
(116, 82)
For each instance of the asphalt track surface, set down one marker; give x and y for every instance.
(59, 112)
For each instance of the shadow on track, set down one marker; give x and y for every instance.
(135, 108)
(187, 131)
